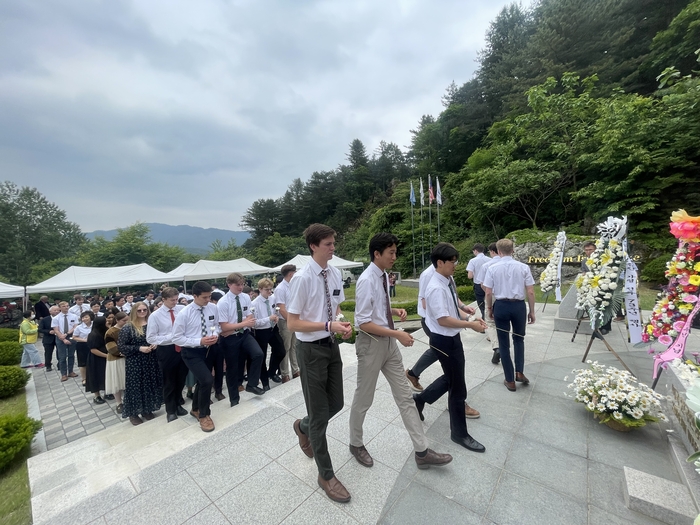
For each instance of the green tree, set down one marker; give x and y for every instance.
(226, 252)
(32, 231)
(276, 249)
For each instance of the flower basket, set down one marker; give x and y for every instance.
(616, 398)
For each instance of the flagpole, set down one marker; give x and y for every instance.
(430, 211)
(412, 200)
(422, 247)
(438, 214)
(438, 202)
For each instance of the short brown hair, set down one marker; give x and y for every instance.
(287, 269)
(264, 283)
(505, 246)
(235, 278)
(168, 292)
(315, 233)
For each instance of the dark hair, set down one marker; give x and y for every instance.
(180, 288)
(120, 315)
(315, 233)
(114, 311)
(247, 289)
(589, 243)
(381, 242)
(479, 247)
(27, 314)
(493, 248)
(287, 269)
(168, 292)
(201, 287)
(96, 339)
(443, 251)
(150, 292)
(89, 314)
(216, 296)
(93, 303)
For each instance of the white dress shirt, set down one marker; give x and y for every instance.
(482, 270)
(187, 330)
(159, 330)
(370, 298)
(282, 294)
(82, 331)
(58, 322)
(78, 309)
(228, 310)
(308, 297)
(262, 317)
(508, 279)
(440, 302)
(475, 264)
(425, 277)
(127, 307)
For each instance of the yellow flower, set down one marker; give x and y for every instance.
(697, 267)
(613, 243)
(594, 281)
(590, 262)
(579, 281)
(682, 216)
(694, 280)
(650, 329)
(605, 258)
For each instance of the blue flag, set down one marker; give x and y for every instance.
(412, 197)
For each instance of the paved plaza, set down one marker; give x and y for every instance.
(546, 461)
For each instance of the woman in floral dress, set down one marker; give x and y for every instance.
(144, 385)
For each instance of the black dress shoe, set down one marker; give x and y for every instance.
(496, 358)
(420, 404)
(99, 401)
(234, 402)
(181, 411)
(276, 378)
(189, 395)
(255, 390)
(182, 400)
(266, 387)
(109, 397)
(219, 396)
(172, 417)
(469, 443)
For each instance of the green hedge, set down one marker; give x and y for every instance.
(654, 270)
(16, 433)
(12, 378)
(465, 293)
(10, 353)
(9, 334)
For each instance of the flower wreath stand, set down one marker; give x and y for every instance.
(550, 279)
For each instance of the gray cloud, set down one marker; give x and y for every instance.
(186, 112)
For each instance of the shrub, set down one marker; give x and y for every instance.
(466, 294)
(16, 432)
(9, 334)
(12, 378)
(653, 271)
(10, 353)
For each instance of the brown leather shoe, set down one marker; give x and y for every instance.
(64, 378)
(206, 424)
(471, 413)
(135, 420)
(432, 459)
(241, 388)
(334, 489)
(362, 456)
(285, 379)
(415, 384)
(72, 374)
(194, 413)
(520, 378)
(148, 416)
(510, 385)
(295, 375)
(304, 441)
(219, 396)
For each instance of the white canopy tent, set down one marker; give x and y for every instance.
(87, 278)
(302, 260)
(8, 291)
(212, 269)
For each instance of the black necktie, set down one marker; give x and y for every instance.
(454, 297)
(389, 319)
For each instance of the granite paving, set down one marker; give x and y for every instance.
(547, 461)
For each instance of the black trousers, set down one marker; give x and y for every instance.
(428, 357)
(236, 348)
(199, 361)
(218, 364)
(174, 372)
(452, 381)
(321, 370)
(271, 337)
(480, 295)
(48, 351)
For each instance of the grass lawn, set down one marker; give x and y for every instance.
(15, 506)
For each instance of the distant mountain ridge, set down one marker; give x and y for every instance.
(191, 238)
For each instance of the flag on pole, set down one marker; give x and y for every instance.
(438, 195)
(422, 200)
(431, 196)
(412, 197)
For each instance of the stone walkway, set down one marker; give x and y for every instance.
(547, 461)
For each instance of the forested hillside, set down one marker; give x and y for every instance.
(579, 109)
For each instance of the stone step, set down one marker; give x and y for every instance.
(658, 498)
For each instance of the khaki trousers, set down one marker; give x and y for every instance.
(290, 345)
(375, 355)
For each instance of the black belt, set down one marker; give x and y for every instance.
(511, 300)
(195, 347)
(323, 341)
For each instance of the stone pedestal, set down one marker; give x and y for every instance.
(566, 318)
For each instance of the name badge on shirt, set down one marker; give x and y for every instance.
(336, 293)
(245, 308)
(211, 317)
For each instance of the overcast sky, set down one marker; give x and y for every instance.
(185, 112)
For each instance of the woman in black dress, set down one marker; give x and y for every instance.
(80, 337)
(96, 359)
(144, 383)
